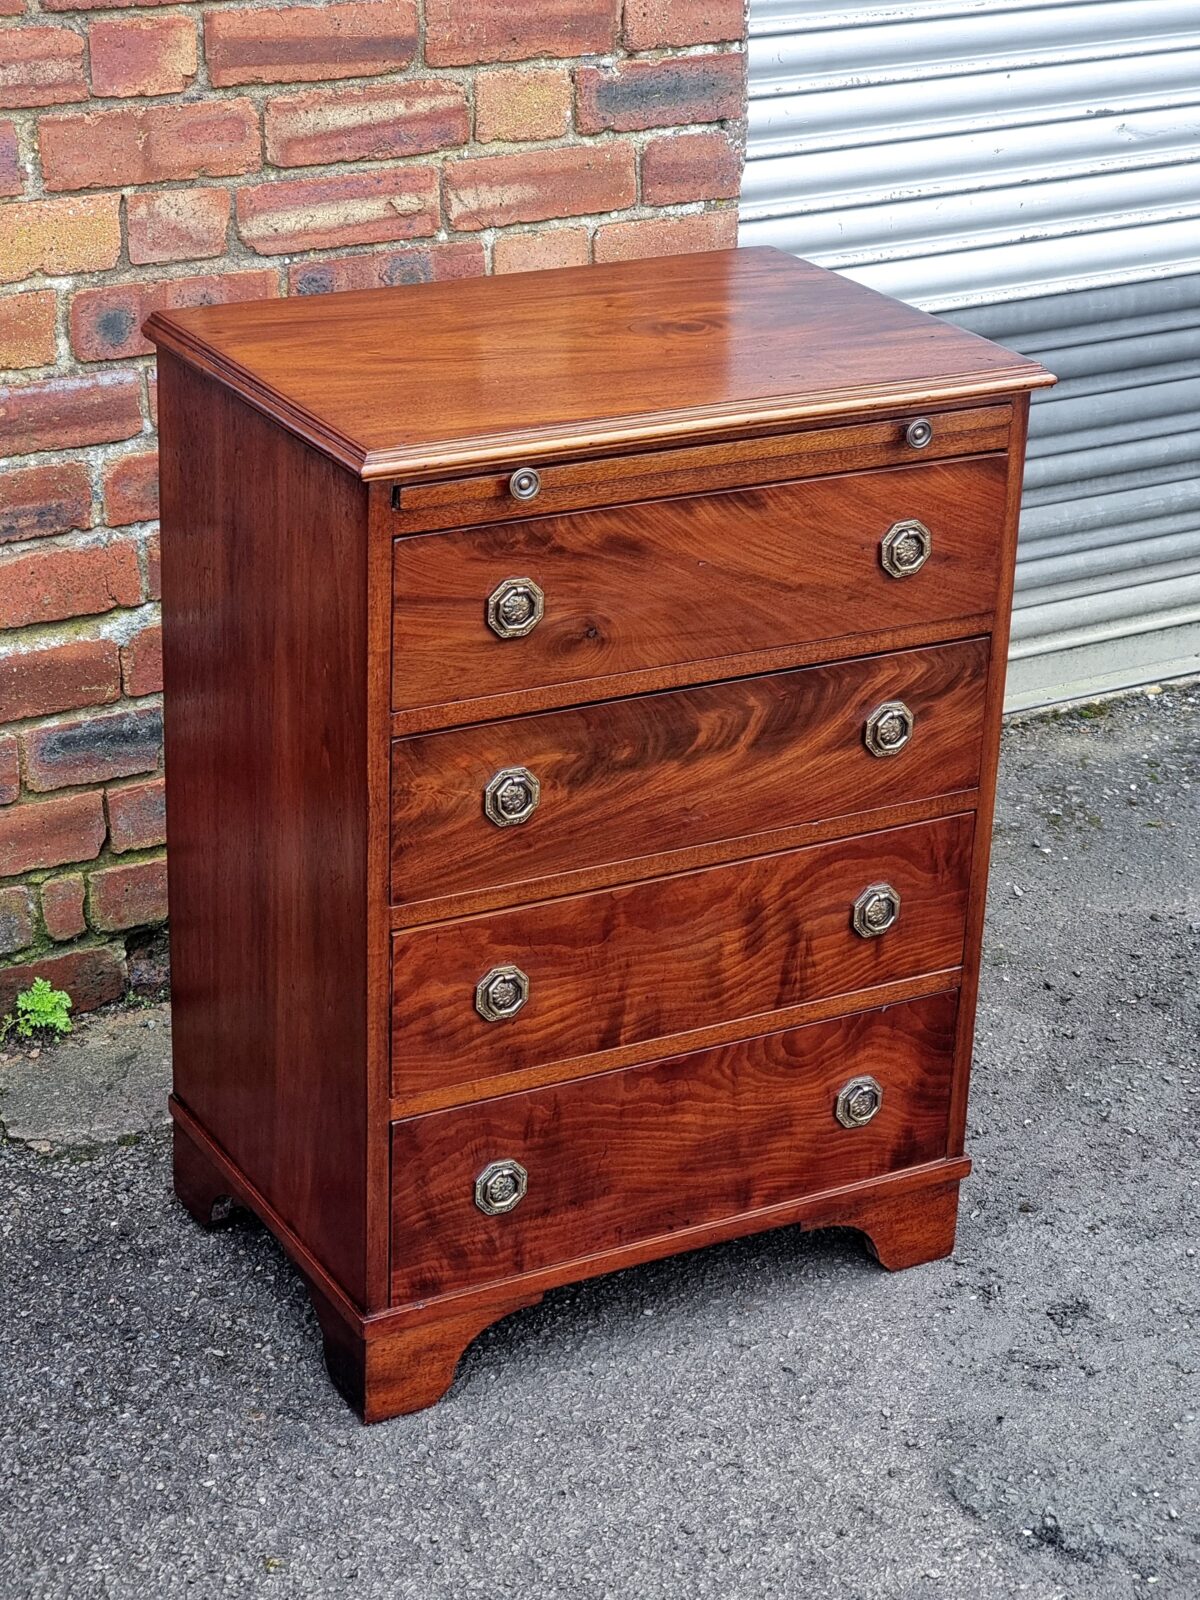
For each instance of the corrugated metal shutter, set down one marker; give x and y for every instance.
(1032, 171)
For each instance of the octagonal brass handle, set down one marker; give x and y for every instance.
(905, 548)
(858, 1102)
(511, 797)
(888, 729)
(515, 607)
(501, 993)
(501, 1187)
(876, 910)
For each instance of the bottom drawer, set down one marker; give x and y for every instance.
(652, 1149)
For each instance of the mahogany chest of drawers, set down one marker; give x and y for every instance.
(583, 693)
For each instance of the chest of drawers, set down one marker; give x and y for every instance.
(583, 693)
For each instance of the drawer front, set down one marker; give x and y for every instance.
(650, 960)
(662, 772)
(650, 1150)
(637, 587)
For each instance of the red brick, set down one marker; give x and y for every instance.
(59, 236)
(48, 585)
(131, 489)
(152, 394)
(61, 412)
(142, 55)
(92, 977)
(12, 178)
(41, 67)
(462, 258)
(128, 896)
(459, 33)
(137, 815)
(530, 252)
(666, 236)
(34, 683)
(176, 224)
(534, 185)
(50, 833)
(322, 213)
(690, 166)
(111, 744)
(10, 769)
(515, 103)
(659, 94)
(11, 8)
(27, 329)
(141, 663)
(147, 144)
(649, 24)
(62, 907)
(299, 44)
(106, 324)
(44, 500)
(153, 569)
(377, 123)
(16, 919)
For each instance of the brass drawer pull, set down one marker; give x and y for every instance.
(525, 483)
(501, 1187)
(501, 993)
(888, 729)
(905, 548)
(876, 910)
(515, 607)
(919, 433)
(511, 797)
(858, 1102)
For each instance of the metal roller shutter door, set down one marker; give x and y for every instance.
(1032, 172)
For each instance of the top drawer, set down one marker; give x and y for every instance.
(637, 587)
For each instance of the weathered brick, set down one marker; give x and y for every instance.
(459, 33)
(534, 185)
(37, 501)
(147, 144)
(48, 585)
(131, 489)
(113, 744)
(16, 919)
(658, 94)
(141, 663)
(176, 224)
(137, 815)
(34, 683)
(12, 178)
(322, 213)
(153, 568)
(41, 67)
(106, 324)
(50, 833)
(27, 329)
(666, 236)
(531, 252)
(62, 906)
(142, 55)
(377, 123)
(131, 895)
(10, 769)
(512, 103)
(59, 236)
(690, 166)
(61, 412)
(299, 44)
(650, 24)
(462, 258)
(92, 976)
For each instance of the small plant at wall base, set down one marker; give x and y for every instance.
(41, 1014)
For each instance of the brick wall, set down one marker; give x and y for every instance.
(160, 154)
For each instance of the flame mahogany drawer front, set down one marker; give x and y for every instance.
(631, 588)
(650, 1151)
(517, 802)
(584, 693)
